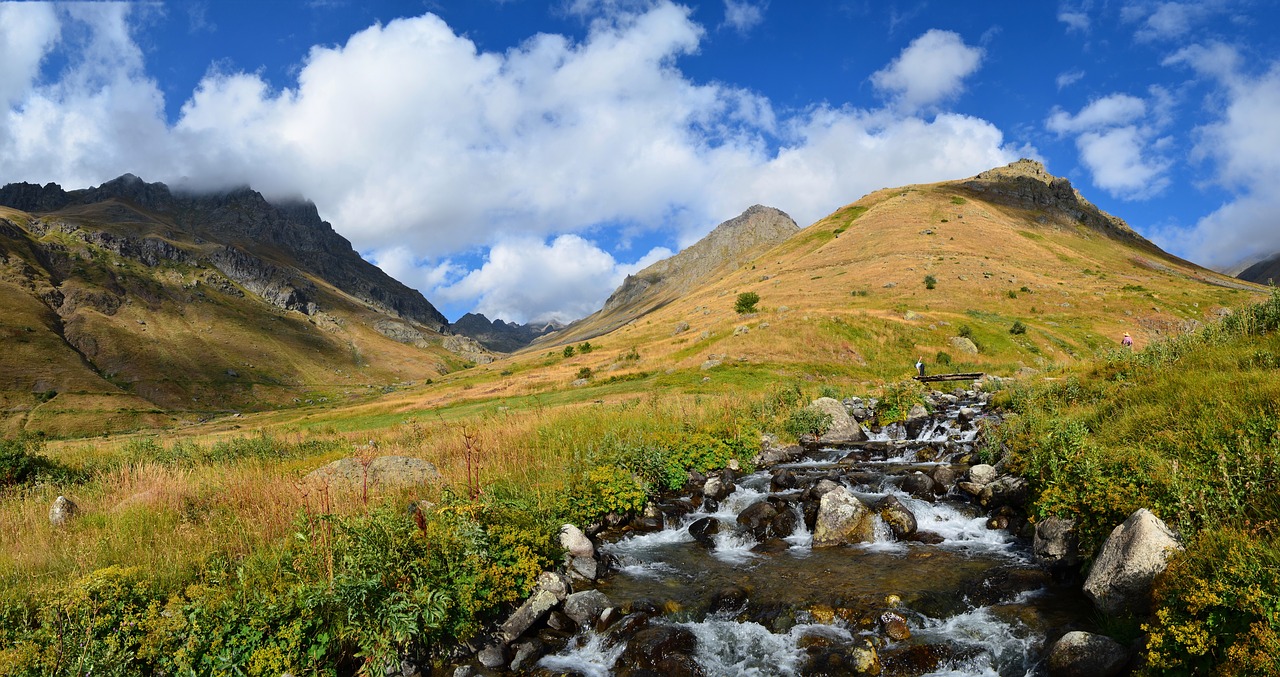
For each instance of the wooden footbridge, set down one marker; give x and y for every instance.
(970, 376)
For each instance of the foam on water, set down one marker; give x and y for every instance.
(1001, 648)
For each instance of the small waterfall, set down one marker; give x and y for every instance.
(793, 604)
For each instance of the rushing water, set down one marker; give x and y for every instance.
(974, 602)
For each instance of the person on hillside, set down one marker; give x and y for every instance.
(920, 365)
(1127, 341)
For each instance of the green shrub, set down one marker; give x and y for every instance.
(21, 463)
(567, 352)
(807, 421)
(896, 401)
(584, 373)
(1018, 327)
(1011, 294)
(1217, 609)
(930, 282)
(746, 302)
(965, 331)
(942, 358)
(603, 490)
(585, 347)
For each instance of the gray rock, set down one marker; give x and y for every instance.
(717, 488)
(900, 519)
(583, 568)
(843, 427)
(553, 583)
(575, 542)
(1130, 559)
(944, 477)
(1083, 654)
(681, 327)
(918, 484)
(62, 510)
(824, 487)
(493, 656)
(533, 610)
(964, 345)
(586, 607)
(1006, 490)
(526, 653)
(982, 474)
(1056, 542)
(842, 519)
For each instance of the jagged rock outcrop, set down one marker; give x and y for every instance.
(1027, 184)
(498, 335)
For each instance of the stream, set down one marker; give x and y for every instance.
(959, 598)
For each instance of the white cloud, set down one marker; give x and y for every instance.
(1117, 137)
(27, 32)
(1075, 20)
(417, 145)
(1068, 78)
(743, 15)
(528, 280)
(1116, 109)
(930, 70)
(1243, 147)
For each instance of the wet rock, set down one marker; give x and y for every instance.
(843, 428)
(559, 620)
(970, 488)
(660, 650)
(62, 510)
(1056, 543)
(646, 524)
(823, 487)
(915, 659)
(842, 519)
(1129, 561)
(917, 418)
(717, 488)
(534, 609)
(771, 454)
(926, 537)
(944, 477)
(756, 519)
(783, 479)
(711, 505)
(901, 520)
(771, 544)
(586, 607)
(624, 628)
(997, 522)
(728, 600)
(677, 508)
(1083, 654)
(894, 626)
(526, 653)
(784, 523)
(704, 530)
(918, 484)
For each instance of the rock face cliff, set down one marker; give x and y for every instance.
(727, 247)
(251, 231)
(1266, 271)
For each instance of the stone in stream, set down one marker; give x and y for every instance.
(704, 530)
(843, 428)
(576, 543)
(783, 479)
(1006, 490)
(1083, 654)
(583, 568)
(982, 474)
(1056, 543)
(526, 653)
(533, 610)
(717, 487)
(842, 519)
(918, 484)
(901, 520)
(757, 519)
(624, 628)
(1130, 559)
(586, 607)
(917, 417)
(660, 649)
(895, 626)
(926, 537)
(944, 477)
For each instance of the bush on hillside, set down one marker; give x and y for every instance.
(807, 421)
(1018, 327)
(930, 282)
(746, 302)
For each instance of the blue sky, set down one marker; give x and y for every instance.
(519, 158)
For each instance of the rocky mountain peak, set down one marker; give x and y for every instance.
(1027, 184)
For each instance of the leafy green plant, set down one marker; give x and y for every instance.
(965, 331)
(585, 347)
(1018, 327)
(746, 302)
(807, 421)
(584, 373)
(603, 490)
(568, 351)
(930, 282)
(942, 358)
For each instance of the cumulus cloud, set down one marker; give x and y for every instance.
(1243, 149)
(1118, 140)
(417, 145)
(1075, 20)
(743, 15)
(932, 69)
(27, 32)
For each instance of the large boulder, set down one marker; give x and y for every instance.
(576, 543)
(586, 607)
(899, 518)
(1083, 654)
(964, 345)
(1130, 559)
(843, 427)
(62, 510)
(842, 519)
(757, 519)
(1056, 543)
